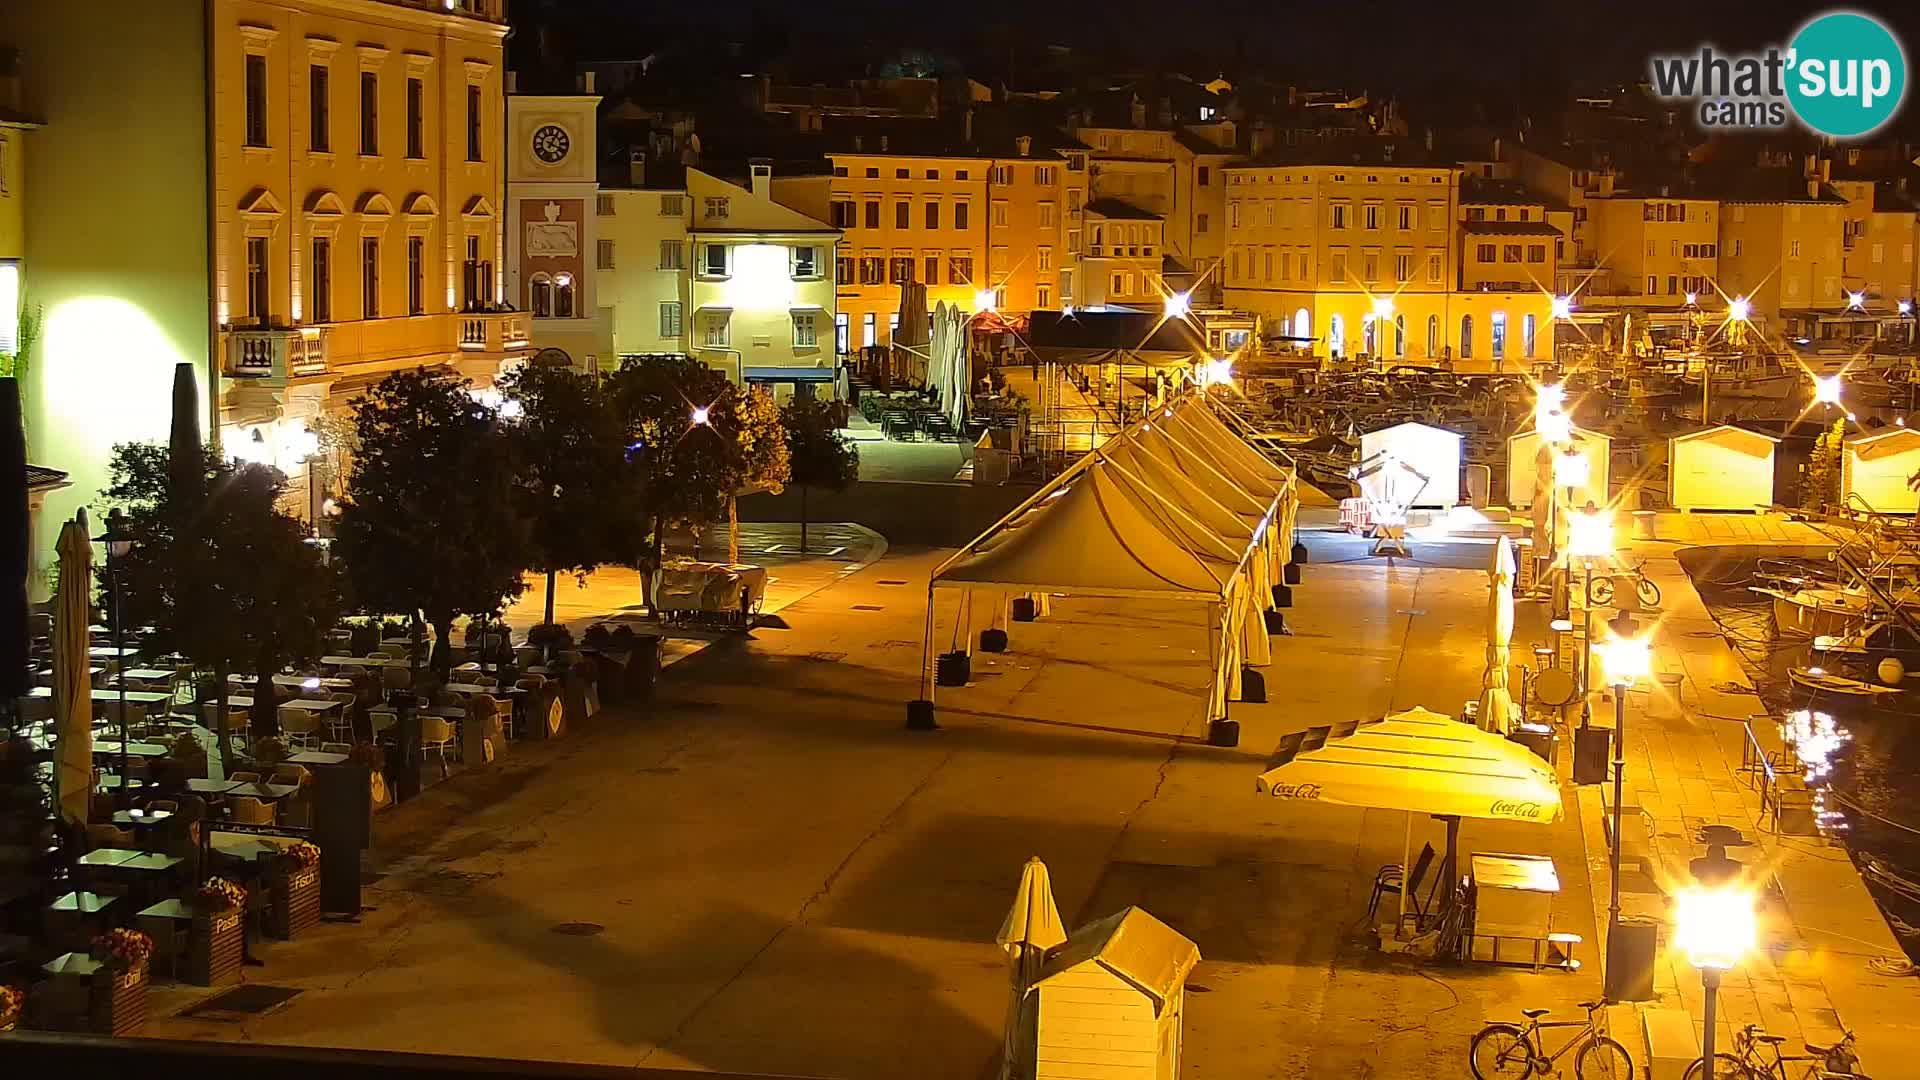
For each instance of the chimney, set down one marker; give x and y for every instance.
(1813, 187)
(637, 166)
(966, 127)
(1429, 140)
(513, 83)
(1138, 113)
(1826, 169)
(584, 84)
(1023, 145)
(761, 172)
(883, 142)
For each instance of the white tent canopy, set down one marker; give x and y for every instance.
(1168, 509)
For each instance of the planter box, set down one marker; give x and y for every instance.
(119, 1003)
(293, 902)
(215, 948)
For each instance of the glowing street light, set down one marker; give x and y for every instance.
(1383, 307)
(1563, 307)
(1177, 305)
(1589, 532)
(1905, 307)
(1571, 469)
(1715, 927)
(983, 300)
(1627, 660)
(1216, 372)
(1739, 309)
(1857, 301)
(1826, 390)
(1693, 299)
(700, 418)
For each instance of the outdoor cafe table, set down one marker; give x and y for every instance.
(86, 903)
(108, 856)
(141, 818)
(295, 681)
(319, 705)
(360, 661)
(265, 792)
(134, 749)
(108, 652)
(109, 694)
(173, 908)
(243, 846)
(315, 757)
(147, 674)
(1514, 897)
(476, 688)
(202, 786)
(151, 862)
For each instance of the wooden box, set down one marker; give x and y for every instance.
(215, 948)
(294, 905)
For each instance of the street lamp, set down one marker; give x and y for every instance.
(1826, 390)
(1715, 925)
(1628, 660)
(1563, 307)
(118, 543)
(1178, 304)
(982, 301)
(1589, 537)
(1739, 309)
(700, 417)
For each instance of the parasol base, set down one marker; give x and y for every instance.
(1024, 609)
(1298, 555)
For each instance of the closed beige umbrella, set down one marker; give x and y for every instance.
(1032, 927)
(72, 670)
(1496, 702)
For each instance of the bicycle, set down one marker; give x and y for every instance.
(1509, 1050)
(1601, 589)
(1746, 1064)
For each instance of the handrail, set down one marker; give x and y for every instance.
(1755, 764)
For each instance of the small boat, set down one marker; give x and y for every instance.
(1813, 612)
(1828, 683)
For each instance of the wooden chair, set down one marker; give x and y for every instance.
(248, 810)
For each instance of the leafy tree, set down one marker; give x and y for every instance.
(693, 440)
(428, 526)
(222, 574)
(1823, 468)
(572, 487)
(821, 456)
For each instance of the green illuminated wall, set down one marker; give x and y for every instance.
(116, 223)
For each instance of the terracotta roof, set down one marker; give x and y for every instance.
(39, 477)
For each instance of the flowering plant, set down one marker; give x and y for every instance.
(122, 948)
(268, 750)
(302, 856)
(12, 1000)
(220, 895)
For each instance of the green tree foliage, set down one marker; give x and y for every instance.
(693, 441)
(428, 527)
(222, 574)
(1823, 469)
(820, 456)
(572, 481)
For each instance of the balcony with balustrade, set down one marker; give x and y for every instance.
(498, 335)
(274, 356)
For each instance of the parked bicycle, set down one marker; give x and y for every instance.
(1600, 590)
(1511, 1050)
(1748, 1061)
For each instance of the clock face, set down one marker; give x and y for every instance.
(551, 143)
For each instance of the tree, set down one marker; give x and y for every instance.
(570, 453)
(821, 456)
(222, 574)
(428, 525)
(693, 439)
(1823, 468)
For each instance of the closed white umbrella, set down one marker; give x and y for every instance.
(1496, 702)
(72, 670)
(1031, 928)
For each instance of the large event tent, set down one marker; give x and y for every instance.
(1175, 507)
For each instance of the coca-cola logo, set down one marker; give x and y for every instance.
(1296, 791)
(1515, 808)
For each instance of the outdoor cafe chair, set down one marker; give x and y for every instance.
(299, 727)
(382, 719)
(340, 720)
(247, 810)
(1393, 878)
(436, 734)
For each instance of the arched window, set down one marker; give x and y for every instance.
(540, 296)
(1466, 337)
(1336, 332)
(1526, 334)
(1499, 322)
(1400, 336)
(1433, 335)
(1302, 324)
(563, 296)
(1367, 325)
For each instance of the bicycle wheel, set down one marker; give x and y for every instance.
(1600, 592)
(1603, 1059)
(1500, 1050)
(1725, 1067)
(1649, 593)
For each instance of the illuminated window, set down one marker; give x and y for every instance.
(540, 296)
(842, 334)
(563, 307)
(319, 123)
(1499, 322)
(9, 306)
(867, 330)
(715, 264)
(806, 331)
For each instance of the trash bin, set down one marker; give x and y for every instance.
(1645, 525)
(1631, 949)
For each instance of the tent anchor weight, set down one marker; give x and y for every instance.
(1277, 623)
(953, 668)
(1253, 686)
(920, 715)
(1291, 572)
(993, 640)
(1282, 596)
(1024, 609)
(1223, 733)
(1298, 558)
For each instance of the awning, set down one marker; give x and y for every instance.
(1417, 761)
(789, 374)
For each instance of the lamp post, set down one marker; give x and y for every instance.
(1589, 537)
(1715, 925)
(118, 542)
(1628, 659)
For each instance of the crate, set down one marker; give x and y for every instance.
(294, 902)
(119, 1004)
(215, 948)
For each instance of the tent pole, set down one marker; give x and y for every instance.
(926, 650)
(1406, 876)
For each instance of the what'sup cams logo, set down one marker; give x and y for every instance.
(1844, 75)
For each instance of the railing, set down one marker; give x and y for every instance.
(494, 331)
(276, 354)
(1758, 768)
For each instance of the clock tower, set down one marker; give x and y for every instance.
(553, 235)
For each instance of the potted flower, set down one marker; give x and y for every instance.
(268, 750)
(13, 1001)
(294, 891)
(216, 946)
(119, 991)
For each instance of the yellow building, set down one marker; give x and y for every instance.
(1877, 252)
(649, 287)
(1126, 258)
(1780, 248)
(15, 125)
(1363, 257)
(1037, 195)
(762, 293)
(356, 186)
(1657, 248)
